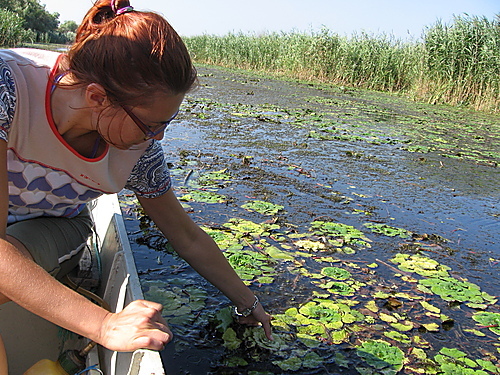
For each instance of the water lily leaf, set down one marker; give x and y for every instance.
(224, 318)
(244, 228)
(310, 245)
(372, 306)
(488, 319)
(403, 326)
(231, 341)
(453, 353)
(203, 196)
(312, 360)
(398, 336)
(276, 253)
(338, 337)
(451, 289)
(387, 230)
(431, 327)
(235, 362)
(224, 239)
(348, 233)
(262, 207)
(387, 318)
(421, 265)
(336, 273)
(339, 287)
(380, 355)
(289, 364)
(308, 340)
(488, 366)
(430, 307)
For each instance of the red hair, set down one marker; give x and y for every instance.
(132, 55)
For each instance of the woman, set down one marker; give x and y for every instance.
(76, 126)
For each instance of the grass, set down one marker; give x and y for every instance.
(457, 64)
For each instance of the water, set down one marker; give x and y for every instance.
(259, 129)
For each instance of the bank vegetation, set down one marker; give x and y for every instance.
(456, 63)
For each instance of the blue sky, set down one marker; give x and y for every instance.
(401, 18)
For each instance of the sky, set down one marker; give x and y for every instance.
(405, 19)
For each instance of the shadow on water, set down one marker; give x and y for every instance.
(423, 178)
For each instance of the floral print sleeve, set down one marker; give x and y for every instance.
(150, 177)
(7, 99)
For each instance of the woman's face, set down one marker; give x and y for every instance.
(125, 127)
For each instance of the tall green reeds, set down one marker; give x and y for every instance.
(457, 63)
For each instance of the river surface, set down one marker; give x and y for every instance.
(330, 155)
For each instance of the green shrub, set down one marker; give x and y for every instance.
(11, 29)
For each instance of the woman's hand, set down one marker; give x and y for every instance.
(258, 315)
(138, 326)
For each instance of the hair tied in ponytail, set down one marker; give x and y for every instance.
(117, 11)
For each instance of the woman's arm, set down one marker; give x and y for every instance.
(202, 253)
(139, 325)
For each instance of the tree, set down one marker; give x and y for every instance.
(11, 28)
(34, 14)
(68, 26)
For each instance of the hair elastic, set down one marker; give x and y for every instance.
(124, 10)
(119, 11)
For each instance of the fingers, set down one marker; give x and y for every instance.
(259, 316)
(139, 325)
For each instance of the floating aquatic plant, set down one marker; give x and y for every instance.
(262, 207)
(387, 230)
(203, 196)
(382, 356)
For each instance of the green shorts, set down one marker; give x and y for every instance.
(55, 243)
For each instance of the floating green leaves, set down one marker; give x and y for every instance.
(203, 196)
(320, 318)
(339, 234)
(438, 281)
(336, 273)
(252, 266)
(242, 228)
(454, 362)
(387, 230)
(180, 300)
(451, 289)
(262, 207)
(382, 356)
(488, 320)
(421, 265)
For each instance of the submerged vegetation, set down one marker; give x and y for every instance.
(457, 64)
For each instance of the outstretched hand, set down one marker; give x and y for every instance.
(138, 326)
(259, 315)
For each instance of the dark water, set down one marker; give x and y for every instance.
(260, 130)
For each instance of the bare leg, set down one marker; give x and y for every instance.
(4, 370)
(3, 299)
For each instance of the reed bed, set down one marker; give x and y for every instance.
(456, 63)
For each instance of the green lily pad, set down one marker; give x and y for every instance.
(289, 364)
(421, 265)
(488, 319)
(387, 230)
(262, 207)
(231, 341)
(203, 197)
(451, 289)
(381, 355)
(336, 273)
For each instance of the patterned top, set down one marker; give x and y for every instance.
(47, 177)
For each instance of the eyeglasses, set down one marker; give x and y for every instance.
(149, 132)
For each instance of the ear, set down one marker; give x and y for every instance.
(96, 96)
